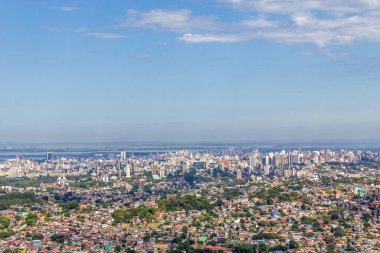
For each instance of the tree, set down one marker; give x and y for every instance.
(338, 232)
(187, 202)
(37, 236)
(10, 251)
(191, 177)
(147, 237)
(4, 222)
(31, 219)
(58, 238)
(16, 198)
(127, 215)
(185, 231)
(293, 244)
(118, 248)
(5, 234)
(245, 248)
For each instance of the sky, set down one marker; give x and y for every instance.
(189, 70)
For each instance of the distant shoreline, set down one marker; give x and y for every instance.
(39, 152)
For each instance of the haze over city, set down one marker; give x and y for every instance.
(222, 70)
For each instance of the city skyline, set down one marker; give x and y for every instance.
(189, 71)
(225, 200)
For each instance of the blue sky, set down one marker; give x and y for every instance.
(189, 70)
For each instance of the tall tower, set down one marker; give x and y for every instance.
(162, 172)
(119, 168)
(49, 156)
(128, 171)
(250, 164)
(97, 168)
(266, 160)
(266, 170)
(155, 168)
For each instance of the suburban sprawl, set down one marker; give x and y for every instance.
(226, 200)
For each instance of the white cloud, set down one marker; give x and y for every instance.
(173, 20)
(292, 6)
(206, 38)
(319, 22)
(100, 35)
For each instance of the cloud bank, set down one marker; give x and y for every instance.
(319, 22)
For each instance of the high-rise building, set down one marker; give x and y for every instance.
(105, 178)
(123, 155)
(162, 172)
(252, 163)
(266, 170)
(119, 169)
(294, 159)
(128, 171)
(97, 168)
(239, 174)
(154, 167)
(49, 156)
(266, 160)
